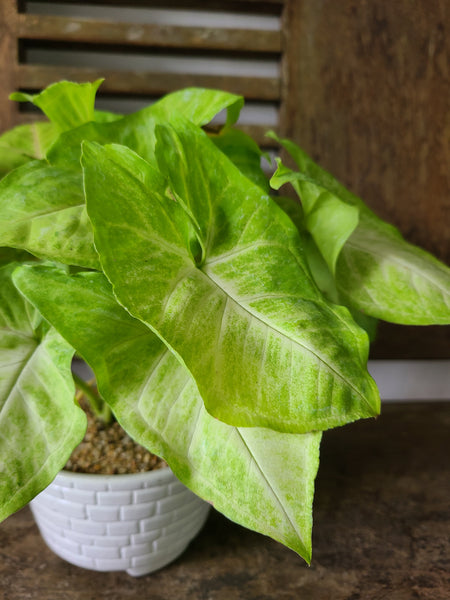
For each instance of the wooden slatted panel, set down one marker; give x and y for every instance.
(75, 32)
(255, 88)
(68, 29)
(248, 6)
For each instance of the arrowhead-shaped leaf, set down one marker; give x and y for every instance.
(377, 271)
(66, 104)
(263, 345)
(257, 477)
(39, 421)
(42, 210)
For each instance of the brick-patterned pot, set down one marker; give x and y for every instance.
(134, 523)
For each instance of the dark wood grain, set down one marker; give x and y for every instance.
(262, 6)
(368, 91)
(8, 62)
(71, 29)
(126, 82)
(381, 531)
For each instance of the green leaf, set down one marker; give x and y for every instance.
(103, 116)
(377, 271)
(320, 271)
(329, 220)
(257, 477)
(137, 129)
(32, 141)
(25, 143)
(312, 172)
(39, 421)
(263, 345)
(383, 276)
(243, 152)
(200, 105)
(42, 211)
(66, 104)
(165, 217)
(293, 209)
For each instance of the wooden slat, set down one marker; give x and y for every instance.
(8, 63)
(69, 29)
(128, 82)
(225, 4)
(261, 6)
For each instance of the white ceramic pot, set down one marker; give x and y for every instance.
(134, 523)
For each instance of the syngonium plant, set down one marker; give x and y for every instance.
(227, 326)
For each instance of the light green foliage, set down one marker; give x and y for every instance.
(42, 210)
(25, 143)
(244, 152)
(66, 104)
(382, 275)
(377, 271)
(246, 309)
(223, 327)
(39, 421)
(329, 220)
(136, 131)
(241, 471)
(200, 105)
(42, 207)
(320, 271)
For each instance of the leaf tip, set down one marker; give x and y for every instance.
(21, 97)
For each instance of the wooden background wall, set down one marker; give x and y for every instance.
(369, 98)
(364, 88)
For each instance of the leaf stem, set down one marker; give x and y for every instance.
(96, 403)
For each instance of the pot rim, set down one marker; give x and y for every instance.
(162, 474)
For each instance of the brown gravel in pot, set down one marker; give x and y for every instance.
(108, 450)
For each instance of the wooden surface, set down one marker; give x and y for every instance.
(8, 60)
(382, 530)
(154, 84)
(67, 29)
(367, 93)
(370, 97)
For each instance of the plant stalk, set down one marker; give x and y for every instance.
(96, 403)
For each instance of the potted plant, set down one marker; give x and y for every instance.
(227, 325)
